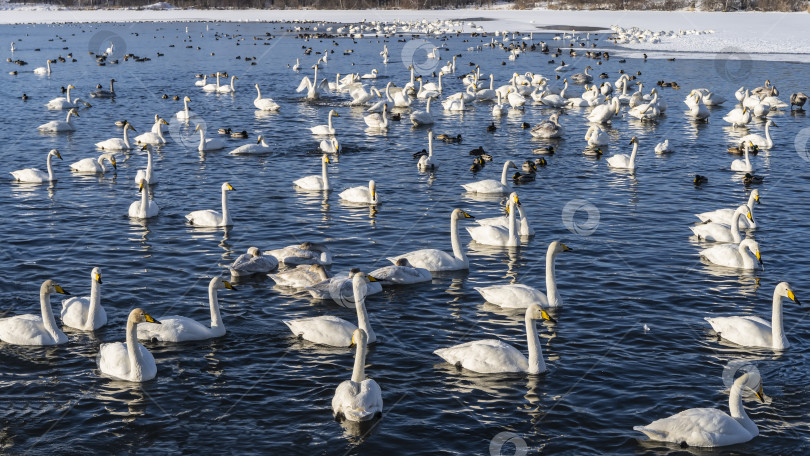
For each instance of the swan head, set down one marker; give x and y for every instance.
(325, 157)
(334, 113)
(403, 262)
(227, 187)
(755, 194)
(55, 153)
(254, 251)
(186, 98)
(163, 121)
(752, 380)
(111, 159)
(784, 289)
(773, 124)
(458, 214)
(634, 140)
(138, 315)
(128, 126)
(372, 187)
(536, 313)
(743, 209)
(95, 274)
(73, 112)
(259, 139)
(218, 284)
(359, 337)
(558, 247)
(51, 287)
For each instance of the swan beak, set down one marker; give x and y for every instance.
(774, 125)
(60, 290)
(230, 187)
(566, 248)
(546, 316)
(149, 319)
(749, 216)
(760, 394)
(756, 198)
(793, 297)
(75, 113)
(59, 155)
(228, 285)
(259, 141)
(167, 123)
(145, 146)
(326, 159)
(113, 163)
(466, 215)
(140, 186)
(372, 279)
(98, 278)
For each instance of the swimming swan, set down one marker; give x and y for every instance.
(315, 183)
(252, 262)
(438, 260)
(361, 195)
(86, 313)
(491, 186)
(56, 126)
(35, 176)
(497, 234)
(624, 161)
(144, 208)
(32, 329)
(358, 399)
(304, 253)
(734, 255)
(210, 217)
(401, 273)
(327, 129)
(208, 144)
(724, 215)
(719, 232)
(94, 165)
(117, 143)
(129, 361)
(148, 174)
(264, 104)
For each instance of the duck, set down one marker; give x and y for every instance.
(210, 217)
(519, 178)
(239, 134)
(401, 273)
(624, 161)
(725, 215)
(360, 398)
(361, 194)
(719, 232)
(315, 182)
(491, 127)
(449, 138)
(491, 186)
(94, 165)
(252, 262)
(734, 255)
(493, 356)
(304, 253)
(129, 361)
(435, 260)
(749, 179)
(698, 180)
(32, 329)
(544, 150)
(35, 176)
(259, 148)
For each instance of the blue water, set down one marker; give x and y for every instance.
(258, 389)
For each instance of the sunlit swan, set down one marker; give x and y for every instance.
(341, 289)
(327, 129)
(646, 111)
(743, 165)
(725, 215)
(312, 87)
(451, 104)
(710, 427)
(228, 88)
(62, 102)
(94, 165)
(722, 233)
(129, 361)
(304, 253)
(60, 125)
(734, 255)
(596, 136)
(180, 329)
(212, 87)
(524, 228)
(372, 75)
(297, 65)
(758, 140)
(155, 135)
(422, 117)
(428, 162)
(252, 262)
(35, 176)
(264, 104)
(604, 112)
(330, 145)
(32, 329)
(377, 120)
(663, 147)
(144, 208)
(496, 234)
(208, 144)
(624, 161)
(86, 312)
(301, 276)
(438, 260)
(117, 143)
(101, 93)
(401, 273)
(491, 186)
(259, 148)
(149, 173)
(185, 114)
(498, 109)
(752, 331)
(696, 109)
(583, 78)
(361, 195)
(360, 96)
(360, 398)
(202, 82)
(43, 70)
(518, 295)
(211, 217)
(550, 128)
(334, 331)
(738, 117)
(494, 356)
(315, 182)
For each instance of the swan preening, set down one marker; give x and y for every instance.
(493, 356)
(129, 361)
(32, 329)
(438, 260)
(86, 313)
(35, 176)
(252, 262)
(210, 217)
(358, 399)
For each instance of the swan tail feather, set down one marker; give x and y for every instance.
(651, 433)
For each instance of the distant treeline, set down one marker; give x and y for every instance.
(667, 5)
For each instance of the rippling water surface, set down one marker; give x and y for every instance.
(258, 389)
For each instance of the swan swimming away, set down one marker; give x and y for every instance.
(734, 255)
(32, 329)
(144, 208)
(361, 195)
(710, 427)
(35, 176)
(491, 186)
(86, 313)
(624, 161)
(252, 262)
(497, 234)
(210, 217)
(304, 253)
(185, 114)
(94, 165)
(725, 215)
(315, 183)
(493, 356)
(719, 232)
(517, 295)
(438, 260)
(181, 329)
(117, 143)
(360, 398)
(752, 331)
(56, 126)
(329, 330)
(401, 273)
(264, 104)
(129, 361)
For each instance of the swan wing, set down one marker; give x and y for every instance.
(485, 356)
(324, 330)
(247, 264)
(513, 296)
(700, 427)
(304, 85)
(431, 259)
(28, 329)
(30, 175)
(489, 186)
(400, 275)
(206, 217)
(748, 331)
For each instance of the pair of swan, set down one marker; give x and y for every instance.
(86, 313)
(327, 129)
(624, 161)
(264, 104)
(604, 112)
(524, 229)
(56, 126)
(32, 329)
(117, 143)
(360, 398)
(207, 144)
(491, 186)
(213, 218)
(252, 262)
(314, 182)
(710, 427)
(144, 208)
(94, 165)
(697, 110)
(36, 176)
(493, 356)
(361, 194)
(438, 260)
(66, 102)
(718, 232)
(725, 215)
(259, 148)
(518, 295)
(499, 235)
(341, 289)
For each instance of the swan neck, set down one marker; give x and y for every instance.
(144, 201)
(362, 315)
(553, 295)
(135, 361)
(202, 140)
(504, 172)
(185, 102)
(458, 251)
(47, 314)
(213, 302)
(67, 119)
(68, 95)
(513, 235)
(735, 227)
(126, 137)
(633, 155)
(536, 362)
(359, 371)
(777, 331)
(226, 216)
(259, 96)
(735, 407)
(49, 167)
(324, 175)
(95, 303)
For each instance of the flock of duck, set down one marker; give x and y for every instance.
(304, 266)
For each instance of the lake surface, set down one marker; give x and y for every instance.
(258, 389)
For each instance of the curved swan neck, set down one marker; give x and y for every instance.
(95, 303)
(49, 167)
(225, 214)
(70, 113)
(359, 370)
(748, 262)
(633, 155)
(553, 295)
(259, 96)
(68, 95)
(213, 302)
(202, 140)
(362, 315)
(134, 352)
(536, 362)
(47, 314)
(144, 199)
(735, 406)
(735, 226)
(185, 106)
(504, 172)
(458, 251)
(777, 332)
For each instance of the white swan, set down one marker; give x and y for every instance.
(710, 427)
(202, 82)
(315, 183)
(304, 253)
(493, 356)
(144, 208)
(43, 70)
(438, 260)
(491, 186)
(94, 165)
(337, 332)
(734, 255)
(149, 173)
(60, 125)
(751, 331)
(327, 129)
(252, 262)
(725, 215)
(401, 273)
(496, 234)
(86, 313)
(210, 217)
(35, 176)
(185, 114)
(696, 109)
(181, 329)
(498, 109)
(518, 295)
(758, 140)
(129, 361)
(360, 398)
(376, 120)
(302, 276)
(624, 161)
(208, 144)
(453, 104)
(259, 148)
(372, 75)
(548, 129)
(62, 102)
(738, 117)
(312, 87)
(422, 117)
(361, 195)
(32, 329)
(427, 162)
(330, 145)
(155, 135)
(663, 147)
(743, 164)
(212, 87)
(227, 88)
(524, 228)
(117, 143)
(264, 104)
(603, 113)
(719, 232)
(596, 136)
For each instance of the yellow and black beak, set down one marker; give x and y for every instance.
(230, 187)
(60, 290)
(750, 217)
(149, 318)
(756, 198)
(327, 158)
(546, 316)
(98, 278)
(372, 279)
(760, 394)
(566, 248)
(793, 297)
(228, 285)
(167, 123)
(145, 146)
(140, 186)
(59, 155)
(466, 215)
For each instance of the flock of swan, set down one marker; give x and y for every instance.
(305, 266)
